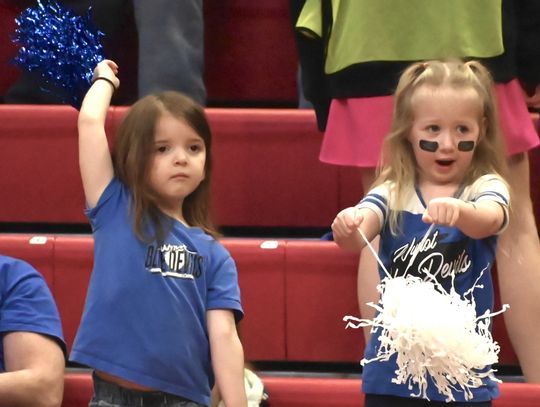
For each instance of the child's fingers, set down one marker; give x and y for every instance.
(437, 214)
(113, 66)
(110, 63)
(107, 69)
(358, 218)
(339, 229)
(353, 219)
(105, 65)
(445, 214)
(346, 222)
(454, 219)
(426, 218)
(338, 226)
(442, 212)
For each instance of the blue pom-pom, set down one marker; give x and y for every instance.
(60, 46)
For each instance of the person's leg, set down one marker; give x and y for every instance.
(368, 275)
(518, 268)
(171, 47)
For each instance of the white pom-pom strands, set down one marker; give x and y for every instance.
(433, 333)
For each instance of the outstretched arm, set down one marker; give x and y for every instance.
(227, 357)
(477, 220)
(94, 156)
(34, 371)
(346, 224)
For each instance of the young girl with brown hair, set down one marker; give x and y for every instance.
(163, 300)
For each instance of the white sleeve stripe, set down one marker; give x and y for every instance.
(376, 197)
(377, 200)
(376, 203)
(489, 195)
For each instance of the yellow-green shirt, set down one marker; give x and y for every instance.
(406, 30)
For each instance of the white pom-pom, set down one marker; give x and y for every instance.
(432, 332)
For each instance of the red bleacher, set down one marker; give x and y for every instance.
(266, 173)
(266, 170)
(295, 294)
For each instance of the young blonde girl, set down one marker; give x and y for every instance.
(443, 164)
(163, 300)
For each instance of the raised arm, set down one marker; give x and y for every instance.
(227, 357)
(477, 220)
(94, 156)
(34, 373)
(346, 224)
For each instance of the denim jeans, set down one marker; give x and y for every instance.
(108, 394)
(171, 47)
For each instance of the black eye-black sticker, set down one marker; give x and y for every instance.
(430, 146)
(465, 146)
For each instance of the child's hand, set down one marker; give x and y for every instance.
(107, 69)
(443, 211)
(346, 223)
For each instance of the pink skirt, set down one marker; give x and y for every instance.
(356, 127)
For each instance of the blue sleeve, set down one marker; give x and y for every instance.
(223, 289)
(26, 303)
(109, 202)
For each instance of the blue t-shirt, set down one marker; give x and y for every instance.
(448, 252)
(26, 303)
(145, 314)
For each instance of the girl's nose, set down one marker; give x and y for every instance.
(180, 158)
(446, 141)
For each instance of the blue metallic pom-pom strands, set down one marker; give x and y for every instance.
(61, 47)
